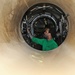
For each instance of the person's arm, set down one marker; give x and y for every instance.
(34, 39)
(37, 40)
(29, 34)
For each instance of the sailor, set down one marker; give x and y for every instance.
(47, 43)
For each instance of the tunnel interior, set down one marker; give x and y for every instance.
(41, 16)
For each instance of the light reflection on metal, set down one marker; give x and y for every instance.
(38, 57)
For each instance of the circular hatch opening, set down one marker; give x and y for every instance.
(40, 17)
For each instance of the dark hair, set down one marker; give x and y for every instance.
(46, 29)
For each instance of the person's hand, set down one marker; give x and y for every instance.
(29, 33)
(28, 30)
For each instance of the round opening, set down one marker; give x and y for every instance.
(44, 26)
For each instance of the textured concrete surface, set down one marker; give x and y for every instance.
(17, 58)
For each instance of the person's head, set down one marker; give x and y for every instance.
(47, 35)
(47, 30)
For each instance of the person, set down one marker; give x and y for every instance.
(47, 43)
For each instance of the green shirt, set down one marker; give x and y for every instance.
(46, 44)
